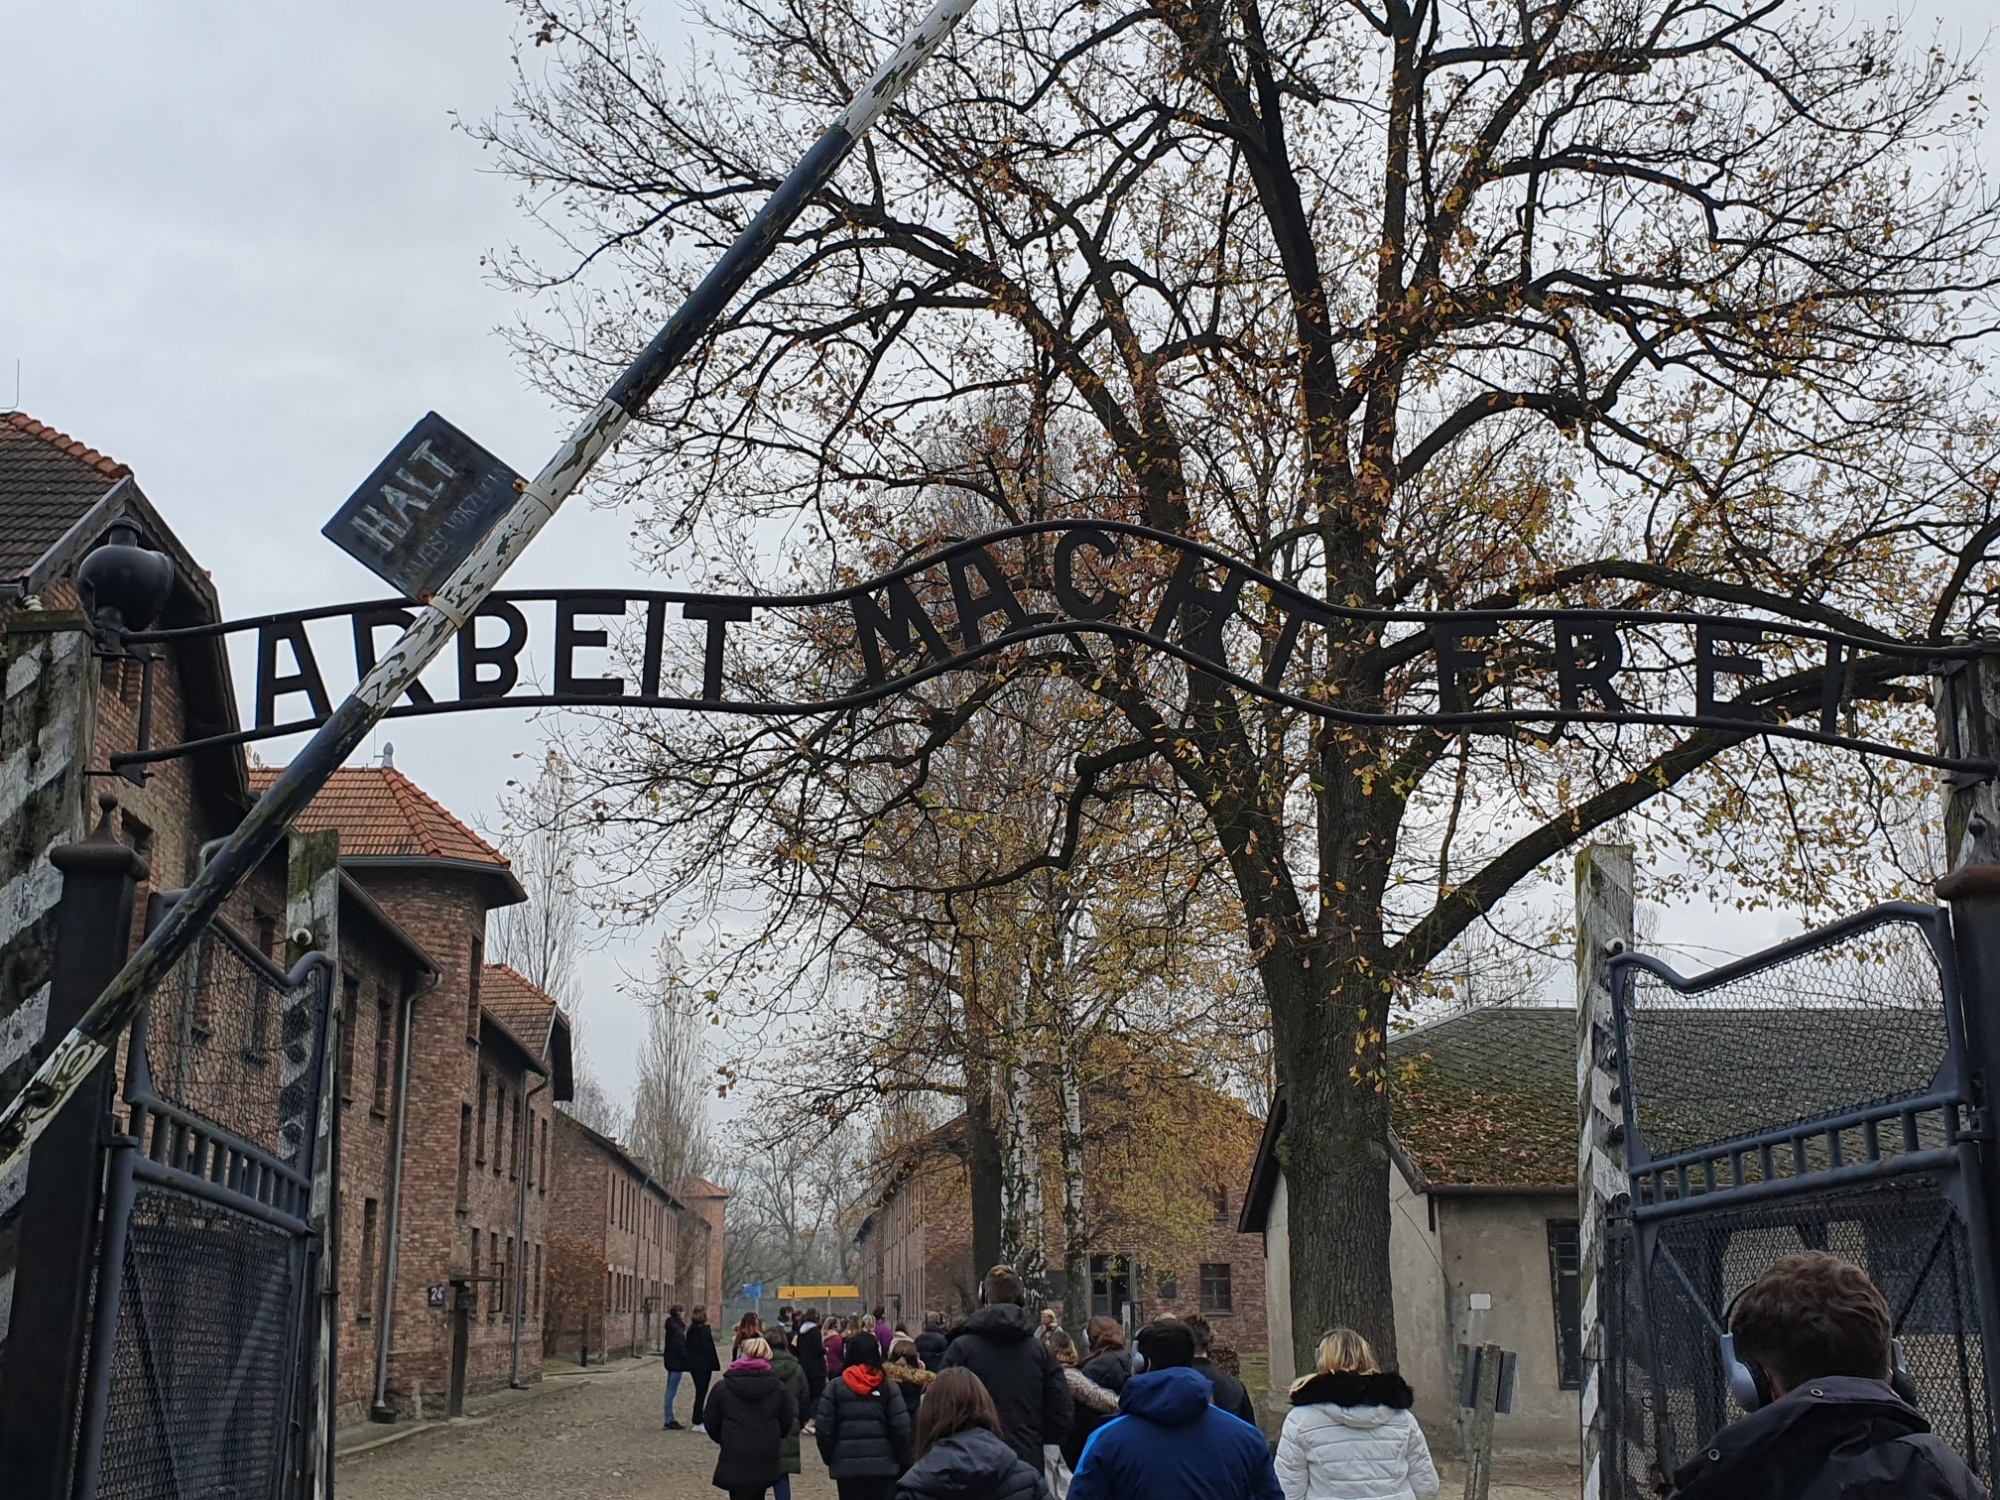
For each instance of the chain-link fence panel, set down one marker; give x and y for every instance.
(216, 1040)
(1857, 1022)
(202, 1370)
(1907, 1236)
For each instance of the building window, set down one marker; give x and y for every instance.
(385, 1022)
(1217, 1294)
(493, 1259)
(538, 1281)
(544, 1186)
(480, 1158)
(472, 990)
(1170, 1289)
(350, 1017)
(1109, 1289)
(1221, 1199)
(365, 1302)
(514, 1139)
(528, 1161)
(507, 1280)
(500, 1093)
(464, 1151)
(1566, 1292)
(475, 1273)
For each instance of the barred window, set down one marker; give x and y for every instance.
(1566, 1292)
(1217, 1293)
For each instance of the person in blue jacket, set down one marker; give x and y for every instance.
(1169, 1441)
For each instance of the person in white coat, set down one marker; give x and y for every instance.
(1350, 1434)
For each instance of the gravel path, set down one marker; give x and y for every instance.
(598, 1437)
(584, 1437)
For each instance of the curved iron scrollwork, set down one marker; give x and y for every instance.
(1476, 670)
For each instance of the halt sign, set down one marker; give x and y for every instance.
(425, 507)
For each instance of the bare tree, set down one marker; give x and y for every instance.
(540, 836)
(669, 1130)
(795, 1204)
(1425, 303)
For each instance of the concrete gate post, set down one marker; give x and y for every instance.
(1604, 902)
(43, 1380)
(1968, 708)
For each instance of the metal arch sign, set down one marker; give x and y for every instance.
(1487, 670)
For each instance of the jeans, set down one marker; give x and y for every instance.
(673, 1390)
(782, 1490)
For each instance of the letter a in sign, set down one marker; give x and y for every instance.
(424, 508)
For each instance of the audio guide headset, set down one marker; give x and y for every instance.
(1750, 1384)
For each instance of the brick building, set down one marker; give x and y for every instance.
(67, 703)
(916, 1252)
(617, 1244)
(701, 1280)
(462, 1224)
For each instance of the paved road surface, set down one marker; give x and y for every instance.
(597, 1436)
(585, 1437)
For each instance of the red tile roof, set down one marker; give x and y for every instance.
(109, 467)
(381, 813)
(699, 1187)
(48, 482)
(523, 1007)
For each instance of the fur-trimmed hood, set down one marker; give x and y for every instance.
(1087, 1393)
(904, 1374)
(1347, 1389)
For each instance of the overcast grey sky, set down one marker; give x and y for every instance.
(239, 251)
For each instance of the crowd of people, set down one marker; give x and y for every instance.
(1005, 1408)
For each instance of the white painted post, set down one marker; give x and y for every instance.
(1604, 875)
(312, 924)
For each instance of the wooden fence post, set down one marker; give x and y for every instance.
(1604, 902)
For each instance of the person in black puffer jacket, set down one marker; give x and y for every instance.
(674, 1353)
(932, 1342)
(702, 1360)
(809, 1344)
(960, 1453)
(1027, 1385)
(1107, 1362)
(863, 1427)
(1229, 1393)
(748, 1417)
(906, 1368)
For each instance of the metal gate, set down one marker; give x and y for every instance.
(1816, 1095)
(204, 1334)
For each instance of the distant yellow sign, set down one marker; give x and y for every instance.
(817, 1293)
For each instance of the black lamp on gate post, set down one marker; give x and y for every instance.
(124, 587)
(43, 1377)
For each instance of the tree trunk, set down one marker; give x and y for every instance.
(1334, 1152)
(1076, 1246)
(1023, 1226)
(982, 1170)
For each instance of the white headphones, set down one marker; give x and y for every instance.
(1750, 1387)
